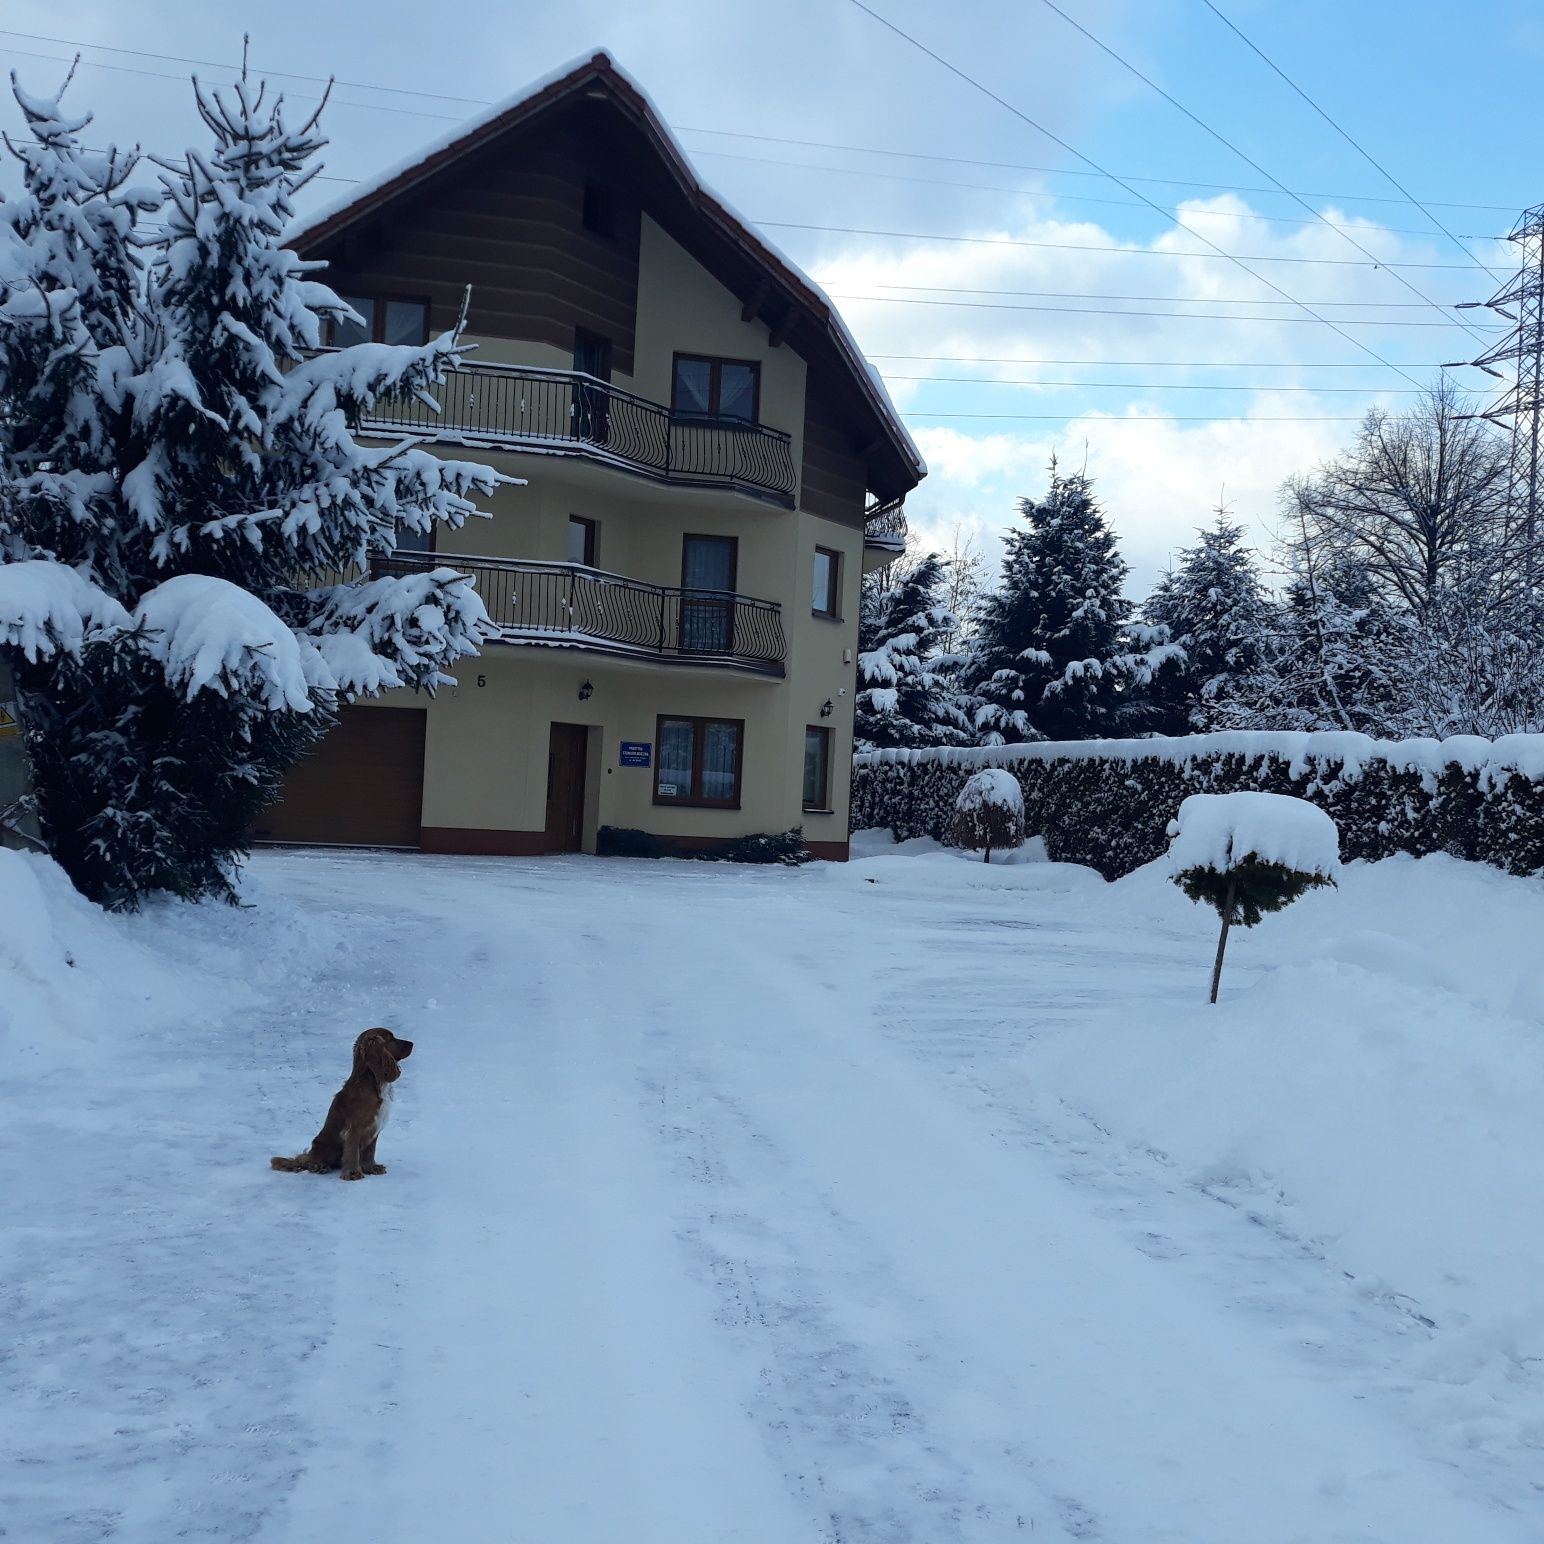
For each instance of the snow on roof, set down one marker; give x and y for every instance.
(1219, 831)
(601, 61)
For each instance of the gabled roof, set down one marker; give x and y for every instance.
(597, 77)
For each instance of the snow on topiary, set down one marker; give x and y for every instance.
(1248, 854)
(989, 812)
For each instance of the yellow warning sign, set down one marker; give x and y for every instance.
(8, 724)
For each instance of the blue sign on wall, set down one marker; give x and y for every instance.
(636, 753)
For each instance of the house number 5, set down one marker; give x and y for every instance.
(482, 680)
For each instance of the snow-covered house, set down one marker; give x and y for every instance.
(710, 465)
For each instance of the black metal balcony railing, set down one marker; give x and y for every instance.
(884, 525)
(524, 407)
(568, 605)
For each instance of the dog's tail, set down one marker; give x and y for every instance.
(296, 1165)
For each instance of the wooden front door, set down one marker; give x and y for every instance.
(567, 753)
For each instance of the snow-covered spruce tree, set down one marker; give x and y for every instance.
(1215, 609)
(1052, 658)
(907, 694)
(216, 469)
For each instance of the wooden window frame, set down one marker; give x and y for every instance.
(832, 611)
(591, 537)
(380, 299)
(715, 379)
(699, 739)
(824, 807)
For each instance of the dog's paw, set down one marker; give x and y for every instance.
(353, 1174)
(375, 1168)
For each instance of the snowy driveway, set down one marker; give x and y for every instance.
(724, 1205)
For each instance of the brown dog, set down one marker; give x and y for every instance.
(357, 1112)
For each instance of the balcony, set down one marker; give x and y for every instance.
(564, 412)
(567, 606)
(885, 527)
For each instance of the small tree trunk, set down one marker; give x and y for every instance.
(986, 856)
(1222, 938)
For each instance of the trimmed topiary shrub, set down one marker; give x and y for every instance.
(989, 813)
(1249, 854)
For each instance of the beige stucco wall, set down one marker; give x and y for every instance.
(487, 742)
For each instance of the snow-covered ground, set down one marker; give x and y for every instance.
(903, 1202)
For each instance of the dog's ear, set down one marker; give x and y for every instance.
(374, 1050)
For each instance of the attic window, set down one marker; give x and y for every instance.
(385, 320)
(600, 209)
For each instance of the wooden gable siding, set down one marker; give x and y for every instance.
(834, 482)
(510, 224)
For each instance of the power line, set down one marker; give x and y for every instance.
(1227, 143)
(1360, 150)
(868, 173)
(1155, 364)
(979, 380)
(464, 101)
(1071, 171)
(1088, 246)
(1146, 418)
(1089, 160)
(1197, 300)
(1172, 316)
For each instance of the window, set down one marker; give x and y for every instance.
(343, 333)
(581, 541)
(599, 212)
(817, 769)
(405, 321)
(828, 573)
(384, 321)
(708, 565)
(698, 761)
(716, 388)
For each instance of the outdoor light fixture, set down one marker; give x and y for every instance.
(586, 691)
(826, 709)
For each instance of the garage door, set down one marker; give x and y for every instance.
(363, 786)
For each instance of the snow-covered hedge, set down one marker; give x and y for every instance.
(1108, 803)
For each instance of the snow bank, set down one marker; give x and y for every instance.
(212, 636)
(1365, 1095)
(78, 984)
(1220, 830)
(47, 608)
(1369, 1084)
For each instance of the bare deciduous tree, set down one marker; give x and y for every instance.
(1420, 499)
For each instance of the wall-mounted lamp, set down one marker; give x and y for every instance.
(826, 709)
(586, 691)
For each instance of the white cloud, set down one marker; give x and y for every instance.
(1158, 479)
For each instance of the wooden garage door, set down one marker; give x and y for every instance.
(362, 786)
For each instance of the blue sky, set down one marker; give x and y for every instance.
(1444, 98)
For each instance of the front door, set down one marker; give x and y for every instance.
(567, 753)
(708, 566)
